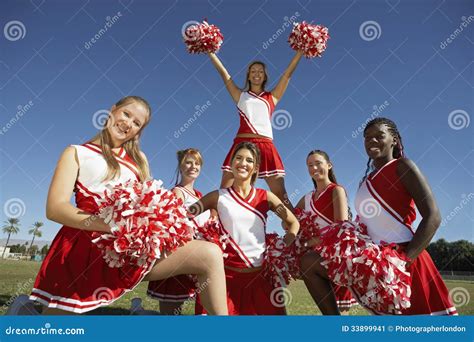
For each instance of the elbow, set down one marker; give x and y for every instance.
(436, 220)
(51, 213)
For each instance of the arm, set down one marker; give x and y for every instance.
(417, 186)
(208, 202)
(280, 88)
(58, 206)
(286, 216)
(233, 90)
(178, 193)
(339, 204)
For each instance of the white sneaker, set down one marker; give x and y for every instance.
(137, 309)
(22, 306)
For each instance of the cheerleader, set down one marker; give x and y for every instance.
(255, 106)
(74, 277)
(385, 203)
(328, 201)
(173, 292)
(242, 212)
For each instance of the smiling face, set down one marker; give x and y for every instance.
(256, 75)
(244, 164)
(379, 141)
(190, 167)
(126, 121)
(318, 167)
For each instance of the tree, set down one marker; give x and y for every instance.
(44, 250)
(33, 250)
(36, 233)
(12, 226)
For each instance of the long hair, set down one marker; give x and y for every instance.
(181, 154)
(331, 175)
(132, 147)
(255, 153)
(247, 81)
(398, 150)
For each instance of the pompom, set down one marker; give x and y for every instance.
(203, 38)
(212, 231)
(147, 220)
(311, 39)
(278, 261)
(376, 272)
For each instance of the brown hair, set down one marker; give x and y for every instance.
(247, 81)
(255, 153)
(132, 147)
(181, 154)
(331, 175)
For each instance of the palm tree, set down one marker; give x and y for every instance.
(12, 226)
(35, 231)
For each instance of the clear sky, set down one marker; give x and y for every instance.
(62, 62)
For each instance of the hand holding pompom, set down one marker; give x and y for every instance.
(203, 38)
(308, 38)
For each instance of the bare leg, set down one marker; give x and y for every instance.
(227, 180)
(171, 308)
(204, 259)
(277, 186)
(318, 284)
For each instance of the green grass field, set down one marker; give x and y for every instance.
(17, 277)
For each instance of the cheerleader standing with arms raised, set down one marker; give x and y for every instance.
(328, 201)
(173, 292)
(74, 277)
(393, 189)
(255, 106)
(242, 211)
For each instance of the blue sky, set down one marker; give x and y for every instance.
(402, 62)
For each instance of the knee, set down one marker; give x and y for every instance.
(212, 254)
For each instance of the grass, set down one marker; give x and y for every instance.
(18, 277)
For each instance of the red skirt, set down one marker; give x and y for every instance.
(270, 161)
(174, 289)
(75, 277)
(429, 294)
(249, 294)
(344, 297)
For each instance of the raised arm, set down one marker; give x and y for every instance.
(233, 90)
(282, 84)
(287, 217)
(58, 207)
(418, 188)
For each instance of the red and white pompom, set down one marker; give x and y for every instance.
(202, 38)
(211, 231)
(147, 220)
(376, 272)
(311, 39)
(278, 261)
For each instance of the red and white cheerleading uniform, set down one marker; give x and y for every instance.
(178, 288)
(255, 113)
(387, 209)
(244, 221)
(322, 207)
(74, 275)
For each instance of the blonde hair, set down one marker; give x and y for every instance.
(181, 154)
(132, 147)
